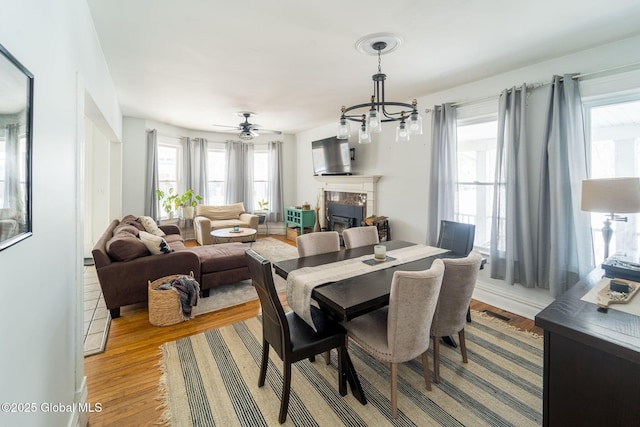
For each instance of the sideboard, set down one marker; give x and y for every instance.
(591, 361)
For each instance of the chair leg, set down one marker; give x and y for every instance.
(394, 390)
(425, 370)
(463, 346)
(469, 314)
(265, 362)
(327, 357)
(436, 360)
(286, 388)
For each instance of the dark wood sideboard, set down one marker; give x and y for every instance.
(591, 362)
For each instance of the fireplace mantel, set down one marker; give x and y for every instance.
(348, 179)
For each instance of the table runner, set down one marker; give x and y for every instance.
(301, 282)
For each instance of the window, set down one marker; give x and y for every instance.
(613, 127)
(260, 174)
(169, 161)
(217, 172)
(476, 170)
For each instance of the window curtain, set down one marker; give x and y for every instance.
(195, 165)
(13, 194)
(151, 205)
(274, 193)
(442, 190)
(239, 182)
(565, 249)
(511, 249)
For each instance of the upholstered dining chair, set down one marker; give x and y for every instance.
(355, 237)
(289, 335)
(400, 332)
(459, 280)
(318, 243)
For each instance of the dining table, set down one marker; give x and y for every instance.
(354, 296)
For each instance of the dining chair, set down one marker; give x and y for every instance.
(400, 332)
(355, 237)
(459, 280)
(289, 335)
(458, 237)
(318, 243)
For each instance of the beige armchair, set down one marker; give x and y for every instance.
(208, 218)
(400, 332)
(355, 237)
(459, 280)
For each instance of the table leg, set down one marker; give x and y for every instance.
(354, 382)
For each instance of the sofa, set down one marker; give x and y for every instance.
(125, 263)
(208, 218)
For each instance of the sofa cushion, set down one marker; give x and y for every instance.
(125, 228)
(225, 256)
(125, 246)
(171, 238)
(155, 244)
(220, 212)
(150, 226)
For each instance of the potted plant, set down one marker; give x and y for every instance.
(263, 208)
(169, 201)
(188, 201)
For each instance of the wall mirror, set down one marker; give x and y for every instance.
(16, 114)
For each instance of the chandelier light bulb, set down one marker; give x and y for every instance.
(343, 129)
(402, 133)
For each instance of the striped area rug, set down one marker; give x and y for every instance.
(211, 379)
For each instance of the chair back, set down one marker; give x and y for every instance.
(459, 280)
(412, 302)
(355, 237)
(456, 236)
(318, 243)
(275, 328)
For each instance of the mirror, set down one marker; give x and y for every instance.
(16, 113)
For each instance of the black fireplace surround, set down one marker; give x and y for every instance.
(342, 216)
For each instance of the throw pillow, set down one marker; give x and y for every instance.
(126, 246)
(150, 226)
(155, 244)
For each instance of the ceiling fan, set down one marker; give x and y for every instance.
(248, 131)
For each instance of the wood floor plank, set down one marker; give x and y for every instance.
(124, 378)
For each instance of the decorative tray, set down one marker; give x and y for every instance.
(374, 261)
(617, 291)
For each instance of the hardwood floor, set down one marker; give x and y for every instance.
(124, 379)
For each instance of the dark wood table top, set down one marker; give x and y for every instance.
(350, 298)
(614, 332)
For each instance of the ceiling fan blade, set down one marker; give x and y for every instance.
(226, 126)
(275, 132)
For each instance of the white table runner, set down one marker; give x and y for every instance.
(301, 282)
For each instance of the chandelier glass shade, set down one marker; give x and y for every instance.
(379, 111)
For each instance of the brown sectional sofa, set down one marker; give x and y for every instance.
(124, 264)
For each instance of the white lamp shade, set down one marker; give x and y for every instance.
(611, 195)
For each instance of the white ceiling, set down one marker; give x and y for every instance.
(193, 63)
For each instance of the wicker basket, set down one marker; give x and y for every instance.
(164, 305)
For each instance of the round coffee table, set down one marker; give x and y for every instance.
(230, 235)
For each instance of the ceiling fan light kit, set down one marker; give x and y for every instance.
(378, 109)
(248, 131)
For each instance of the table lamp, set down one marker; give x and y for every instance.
(611, 196)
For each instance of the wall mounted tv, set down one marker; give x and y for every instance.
(331, 156)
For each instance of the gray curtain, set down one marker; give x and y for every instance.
(187, 165)
(13, 194)
(511, 249)
(276, 203)
(239, 183)
(565, 249)
(151, 206)
(444, 173)
(197, 177)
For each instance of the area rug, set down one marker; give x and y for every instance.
(211, 379)
(241, 292)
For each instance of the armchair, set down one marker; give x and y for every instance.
(209, 218)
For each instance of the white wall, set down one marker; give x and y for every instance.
(402, 190)
(134, 158)
(41, 286)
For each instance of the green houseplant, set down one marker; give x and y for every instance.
(169, 201)
(188, 200)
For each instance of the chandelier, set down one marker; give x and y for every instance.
(379, 109)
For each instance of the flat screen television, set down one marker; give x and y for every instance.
(331, 156)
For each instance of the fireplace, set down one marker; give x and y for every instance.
(342, 216)
(355, 191)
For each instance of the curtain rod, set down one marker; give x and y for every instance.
(583, 76)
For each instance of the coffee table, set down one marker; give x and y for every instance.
(230, 235)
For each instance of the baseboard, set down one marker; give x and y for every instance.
(80, 417)
(516, 299)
